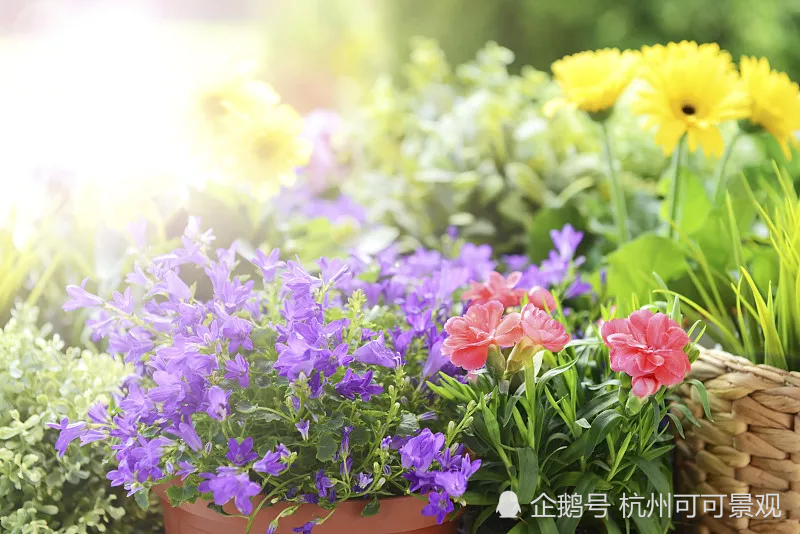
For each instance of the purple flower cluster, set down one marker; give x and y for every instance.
(558, 269)
(422, 285)
(188, 345)
(229, 375)
(441, 485)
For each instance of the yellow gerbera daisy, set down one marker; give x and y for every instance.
(592, 81)
(254, 136)
(774, 101)
(690, 90)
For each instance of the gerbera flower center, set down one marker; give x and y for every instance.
(688, 109)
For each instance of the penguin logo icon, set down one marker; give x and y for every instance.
(508, 506)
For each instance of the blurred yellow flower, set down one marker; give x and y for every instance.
(774, 101)
(256, 138)
(690, 90)
(592, 81)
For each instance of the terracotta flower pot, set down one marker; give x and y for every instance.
(397, 515)
(751, 449)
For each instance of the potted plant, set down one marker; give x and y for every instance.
(299, 405)
(571, 432)
(713, 252)
(753, 374)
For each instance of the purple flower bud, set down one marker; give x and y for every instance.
(69, 432)
(302, 426)
(81, 298)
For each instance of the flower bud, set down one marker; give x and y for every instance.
(496, 362)
(634, 404)
(542, 299)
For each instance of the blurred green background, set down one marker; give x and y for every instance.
(321, 52)
(537, 31)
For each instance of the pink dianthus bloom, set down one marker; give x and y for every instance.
(649, 348)
(496, 288)
(470, 336)
(539, 329)
(542, 299)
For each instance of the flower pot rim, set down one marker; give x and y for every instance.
(397, 514)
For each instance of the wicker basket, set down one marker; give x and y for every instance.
(752, 447)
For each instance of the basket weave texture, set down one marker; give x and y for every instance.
(752, 447)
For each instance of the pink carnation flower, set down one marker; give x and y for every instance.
(470, 336)
(649, 348)
(496, 288)
(539, 329)
(542, 299)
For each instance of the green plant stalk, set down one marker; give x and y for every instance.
(674, 194)
(719, 178)
(617, 192)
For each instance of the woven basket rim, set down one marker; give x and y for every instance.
(721, 358)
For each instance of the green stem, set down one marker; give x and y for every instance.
(719, 178)
(617, 191)
(674, 203)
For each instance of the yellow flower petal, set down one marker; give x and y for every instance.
(593, 80)
(669, 135)
(774, 100)
(690, 88)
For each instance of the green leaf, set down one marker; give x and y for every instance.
(701, 390)
(773, 348)
(8, 432)
(543, 525)
(611, 526)
(409, 424)
(678, 405)
(693, 203)
(246, 408)
(181, 494)
(552, 373)
(479, 498)
(586, 485)
(528, 474)
(49, 509)
(547, 219)
(654, 475)
(372, 507)
(492, 428)
(264, 416)
(646, 525)
(327, 448)
(598, 404)
(677, 423)
(143, 498)
(631, 266)
(602, 425)
(485, 514)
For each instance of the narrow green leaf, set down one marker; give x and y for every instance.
(603, 424)
(611, 526)
(492, 428)
(485, 514)
(701, 390)
(677, 423)
(479, 498)
(543, 525)
(654, 475)
(528, 474)
(586, 485)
